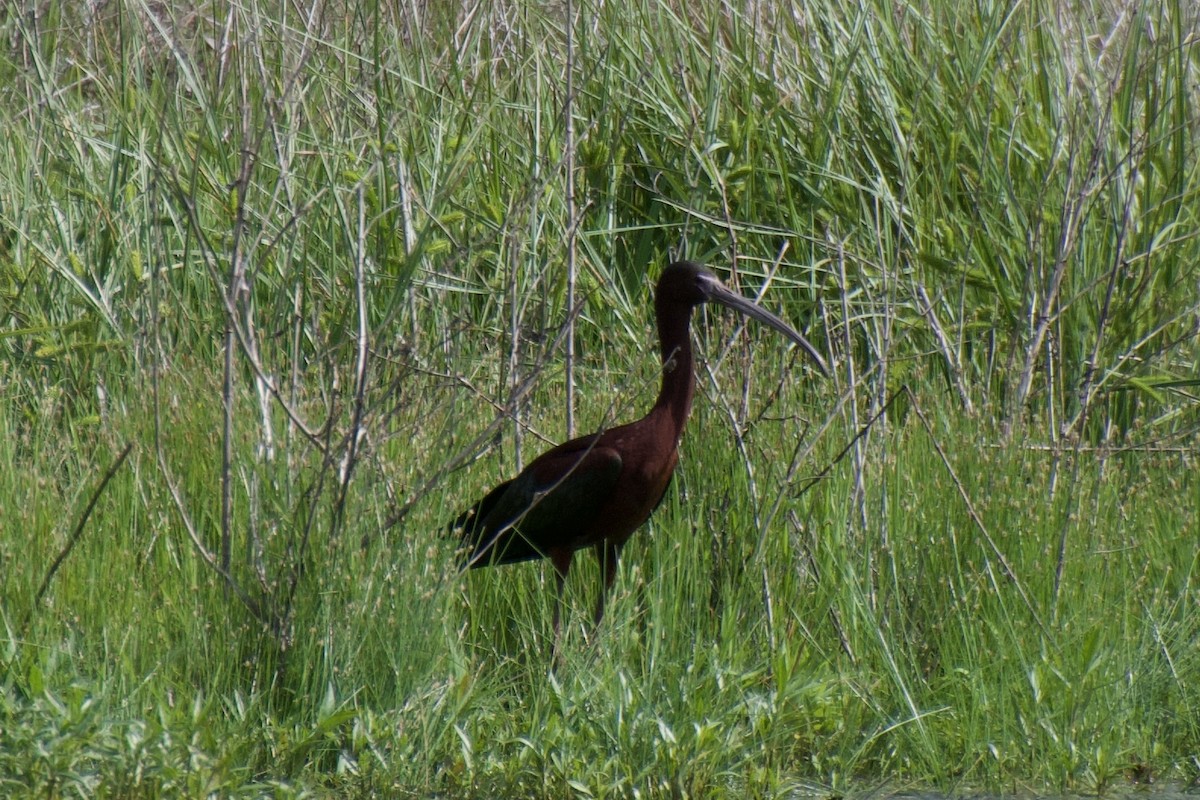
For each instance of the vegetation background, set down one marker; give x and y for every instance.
(283, 286)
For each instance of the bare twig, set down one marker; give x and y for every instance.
(360, 372)
(314, 435)
(255, 609)
(572, 222)
(1045, 298)
(236, 279)
(798, 457)
(949, 353)
(1088, 386)
(177, 497)
(514, 357)
(73, 539)
(470, 451)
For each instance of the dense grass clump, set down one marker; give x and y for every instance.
(282, 289)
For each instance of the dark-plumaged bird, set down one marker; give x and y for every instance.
(595, 491)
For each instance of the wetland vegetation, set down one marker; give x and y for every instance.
(283, 287)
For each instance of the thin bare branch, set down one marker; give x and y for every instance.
(949, 353)
(360, 370)
(572, 221)
(77, 533)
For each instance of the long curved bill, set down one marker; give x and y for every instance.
(719, 293)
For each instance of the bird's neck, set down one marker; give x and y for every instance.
(678, 371)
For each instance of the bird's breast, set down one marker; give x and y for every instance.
(648, 461)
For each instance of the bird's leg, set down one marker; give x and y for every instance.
(608, 553)
(561, 559)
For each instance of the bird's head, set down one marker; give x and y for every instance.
(689, 284)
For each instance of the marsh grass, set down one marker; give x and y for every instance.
(308, 262)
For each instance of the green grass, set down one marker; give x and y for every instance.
(986, 215)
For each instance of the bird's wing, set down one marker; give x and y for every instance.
(547, 505)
